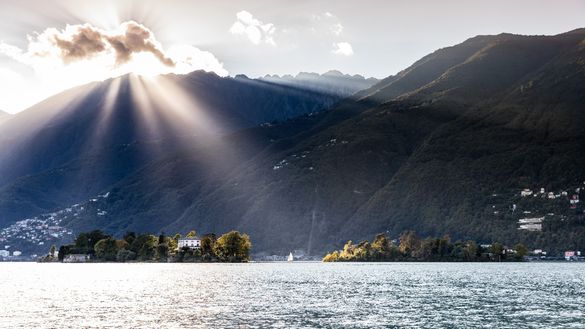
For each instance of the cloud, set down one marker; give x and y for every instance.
(137, 38)
(256, 31)
(112, 52)
(336, 28)
(342, 48)
(78, 54)
(327, 23)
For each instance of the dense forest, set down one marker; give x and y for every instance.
(411, 247)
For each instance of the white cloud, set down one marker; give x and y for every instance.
(80, 54)
(110, 52)
(256, 31)
(327, 23)
(342, 48)
(336, 28)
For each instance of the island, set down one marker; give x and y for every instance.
(97, 246)
(411, 247)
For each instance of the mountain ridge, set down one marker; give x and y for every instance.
(95, 121)
(444, 147)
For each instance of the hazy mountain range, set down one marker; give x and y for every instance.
(444, 147)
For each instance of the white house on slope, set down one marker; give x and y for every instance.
(191, 243)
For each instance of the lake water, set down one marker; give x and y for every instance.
(295, 295)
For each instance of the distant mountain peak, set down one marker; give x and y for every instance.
(333, 73)
(304, 75)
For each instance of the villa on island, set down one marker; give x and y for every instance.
(191, 243)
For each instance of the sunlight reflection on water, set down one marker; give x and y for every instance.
(292, 295)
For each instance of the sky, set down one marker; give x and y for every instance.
(49, 46)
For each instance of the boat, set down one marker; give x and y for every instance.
(290, 257)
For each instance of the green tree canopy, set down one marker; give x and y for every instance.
(233, 247)
(85, 242)
(106, 249)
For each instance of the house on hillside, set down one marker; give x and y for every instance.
(191, 243)
(531, 224)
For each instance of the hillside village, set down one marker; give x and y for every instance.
(536, 210)
(31, 237)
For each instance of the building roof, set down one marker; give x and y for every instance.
(190, 239)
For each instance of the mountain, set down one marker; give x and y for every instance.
(331, 82)
(443, 147)
(75, 144)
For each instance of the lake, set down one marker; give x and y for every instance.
(293, 295)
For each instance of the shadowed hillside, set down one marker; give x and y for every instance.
(77, 143)
(443, 147)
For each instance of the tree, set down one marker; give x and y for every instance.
(347, 252)
(409, 243)
(332, 257)
(129, 237)
(207, 243)
(444, 246)
(192, 234)
(85, 242)
(470, 251)
(173, 243)
(63, 252)
(233, 247)
(144, 246)
(125, 255)
(521, 251)
(381, 247)
(106, 249)
(162, 251)
(147, 244)
(497, 250)
(52, 251)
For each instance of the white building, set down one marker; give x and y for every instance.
(191, 243)
(530, 227)
(4, 253)
(76, 258)
(531, 224)
(534, 220)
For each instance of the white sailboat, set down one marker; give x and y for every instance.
(290, 257)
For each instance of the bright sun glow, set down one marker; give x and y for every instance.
(79, 54)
